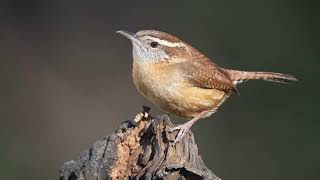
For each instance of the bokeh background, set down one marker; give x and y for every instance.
(66, 81)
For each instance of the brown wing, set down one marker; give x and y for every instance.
(203, 73)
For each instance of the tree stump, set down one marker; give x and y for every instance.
(142, 149)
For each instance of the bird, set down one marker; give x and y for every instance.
(181, 80)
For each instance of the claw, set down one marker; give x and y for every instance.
(174, 128)
(183, 129)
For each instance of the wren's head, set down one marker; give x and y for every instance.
(150, 46)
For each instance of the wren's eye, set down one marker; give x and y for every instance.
(154, 44)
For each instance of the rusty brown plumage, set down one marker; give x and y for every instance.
(203, 73)
(181, 80)
(236, 75)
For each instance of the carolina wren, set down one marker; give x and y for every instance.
(179, 79)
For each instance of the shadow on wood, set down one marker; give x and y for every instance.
(141, 151)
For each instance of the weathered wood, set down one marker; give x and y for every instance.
(141, 151)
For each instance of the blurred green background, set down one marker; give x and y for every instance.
(66, 81)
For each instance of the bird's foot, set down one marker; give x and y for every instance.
(183, 129)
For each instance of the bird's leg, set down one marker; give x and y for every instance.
(170, 115)
(184, 128)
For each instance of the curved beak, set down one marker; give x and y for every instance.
(126, 34)
(132, 37)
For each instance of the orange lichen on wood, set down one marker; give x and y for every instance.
(128, 151)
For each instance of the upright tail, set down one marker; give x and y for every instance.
(239, 76)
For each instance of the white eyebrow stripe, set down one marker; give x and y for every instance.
(165, 43)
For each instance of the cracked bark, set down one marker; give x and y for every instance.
(142, 150)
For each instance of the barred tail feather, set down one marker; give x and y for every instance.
(239, 76)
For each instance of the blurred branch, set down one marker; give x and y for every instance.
(141, 151)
